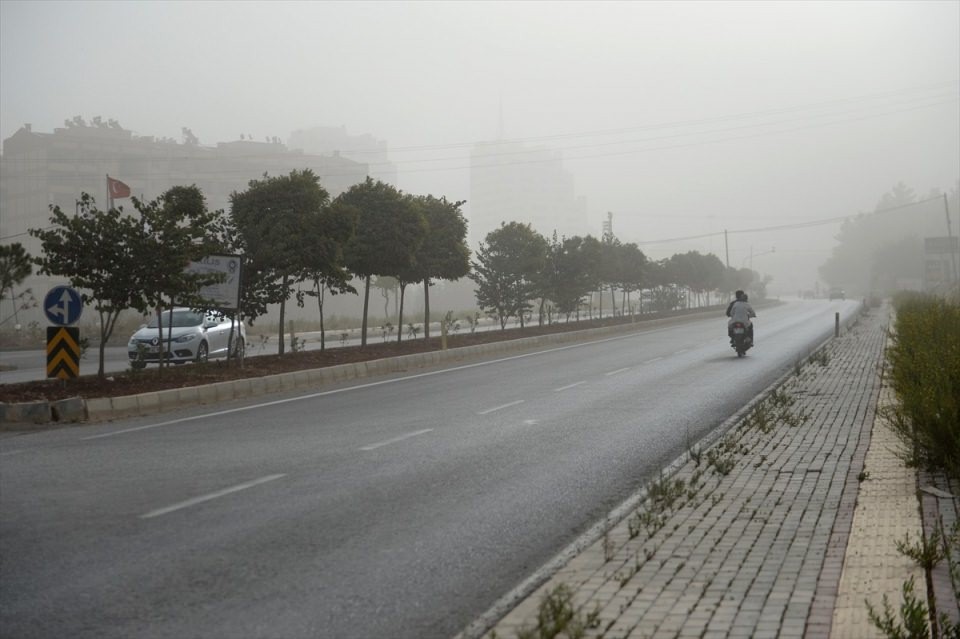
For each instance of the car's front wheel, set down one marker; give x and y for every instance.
(203, 353)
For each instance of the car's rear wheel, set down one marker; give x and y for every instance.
(203, 353)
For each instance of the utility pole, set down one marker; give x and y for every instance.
(726, 244)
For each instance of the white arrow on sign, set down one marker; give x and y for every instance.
(62, 307)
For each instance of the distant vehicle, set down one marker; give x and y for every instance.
(195, 336)
(837, 294)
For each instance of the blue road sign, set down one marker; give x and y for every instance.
(62, 305)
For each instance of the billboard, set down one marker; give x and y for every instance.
(225, 294)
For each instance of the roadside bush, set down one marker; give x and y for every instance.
(925, 374)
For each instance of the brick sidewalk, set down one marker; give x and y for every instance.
(749, 539)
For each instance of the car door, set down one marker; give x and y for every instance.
(216, 336)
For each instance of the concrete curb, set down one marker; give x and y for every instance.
(40, 414)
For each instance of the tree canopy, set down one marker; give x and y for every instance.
(97, 251)
(389, 232)
(507, 271)
(280, 224)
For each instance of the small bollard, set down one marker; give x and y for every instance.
(443, 336)
(836, 324)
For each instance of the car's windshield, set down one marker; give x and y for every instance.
(180, 318)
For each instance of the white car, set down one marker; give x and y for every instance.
(195, 336)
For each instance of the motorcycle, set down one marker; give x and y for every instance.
(740, 338)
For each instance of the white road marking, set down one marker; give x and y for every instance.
(203, 498)
(651, 361)
(442, 371)
(682, 350)
(396, 439)
(496, 408)
(11, 452)
(568, 386)
(616, 372)
(531, 422)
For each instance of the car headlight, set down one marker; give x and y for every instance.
(184, 338)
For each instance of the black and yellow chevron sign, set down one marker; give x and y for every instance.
(63, 351)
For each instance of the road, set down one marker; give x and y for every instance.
(402, 507)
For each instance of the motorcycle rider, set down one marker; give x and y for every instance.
(739, 310)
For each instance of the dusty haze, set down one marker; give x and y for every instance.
(679, 118)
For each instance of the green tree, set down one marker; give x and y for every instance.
(389, 233)
(278, 218)
(507, 270)
(632, 267)
(324, 267)
(698, 273)
(609, 269)
(97, 252)
(566, 277)
(15, 266)
(174, 230)
(444, 253)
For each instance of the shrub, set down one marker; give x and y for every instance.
(925, 375)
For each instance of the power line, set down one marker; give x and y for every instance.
(787, 227)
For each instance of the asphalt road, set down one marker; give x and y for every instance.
(401, 507)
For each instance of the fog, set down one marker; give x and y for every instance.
(679, 118)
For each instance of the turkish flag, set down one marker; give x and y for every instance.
(117, 188)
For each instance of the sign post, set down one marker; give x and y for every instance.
(63, 307)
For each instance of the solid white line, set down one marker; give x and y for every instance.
(655, 359)
(442, 371)
(203, 498)
(397, 439)
(496, 408)
(619, 370)
(568, 386)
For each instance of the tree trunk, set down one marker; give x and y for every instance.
(283, 308)
(426, 308)
(103, 342)
(600, 311)
(613, 301)
(403, 288)
(323, 338)
(366, 304)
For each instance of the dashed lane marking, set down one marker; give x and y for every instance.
(203, 498)
(396, 439)
(501, 407)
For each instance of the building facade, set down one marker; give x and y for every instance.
(40, 170)
(363, 148)
(512, 182)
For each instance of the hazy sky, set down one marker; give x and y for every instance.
(681, 118)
